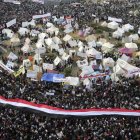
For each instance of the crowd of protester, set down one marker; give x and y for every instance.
(22, 124)
(101, 94)
(127, 10)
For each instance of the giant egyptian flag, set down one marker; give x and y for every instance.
(61, 112)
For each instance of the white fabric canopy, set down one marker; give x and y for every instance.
(134, 37)
(132, 46)
(127, 27)
(107, 47)
(67, 38)
(8, 32)
(57, 40)
(12, 56)
(108, 62)
(23, 31)
(72, 43)
(113, 25)
(57, 61)
(117, 34)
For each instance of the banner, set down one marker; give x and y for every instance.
(41, 16)
(115, 19)
(52, 77)
(17, 73)
(10, 23)
(6, 68)
(47, 66)
(31, 74)
(94, 75)
(38, 1)
(62, 112)
(12, 1)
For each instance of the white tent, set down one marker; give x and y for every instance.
(114, 77)
(81, 49)
(134, 37)
(15, 40)
(31, 74)
(23, 31)
(40, 50)
(53, 30)
(87, 70)
(12, 56)
(80, 44)
(72, 43)
(103, 40)
(104, 24)
(132, 46)
(54, 46)
(126, 39)
(86, 82)
(8, 32)
(27, 41)
(93, 53)
(82, 64)
(26, 63)
(67, 38)
(118, 70)
(61, 51)
(108, 62)
(49, 41)
(130, 70)
(90, 38)
(38, 58)
(41, 36)
(127, 27)
(113, 25)
(107, 47)
(57, 61)
(32, 23)
(47, 66)
(6, 68)
(139, 31)
(121, 30)
(68, 28)
(10, 64)
(49, 24)
(65, 56)
(92, 44)
(57, 40)
(125, 58)
(72, 52)
(34, 33)
(37, 68)
(74, 81)
(99, 44)
(117, 34)
(25, 49)
(26, 24)
(39, 44)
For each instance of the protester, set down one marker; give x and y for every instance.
(18, 124)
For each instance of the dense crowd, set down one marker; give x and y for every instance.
(126, 10)
(21, 125)
(102, 93)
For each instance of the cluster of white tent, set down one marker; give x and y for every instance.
(84, 50)
(119, 31)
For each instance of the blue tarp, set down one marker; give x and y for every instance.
(52, 77)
